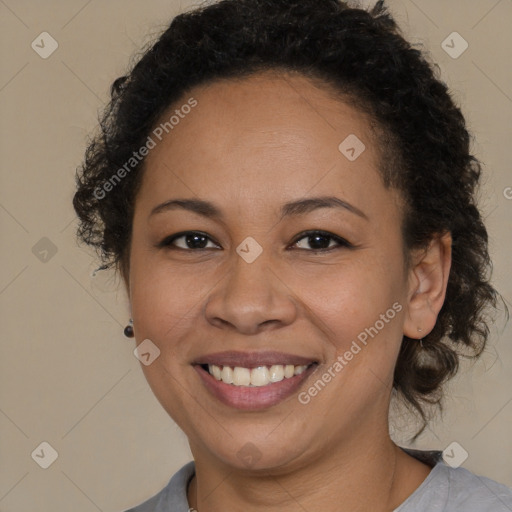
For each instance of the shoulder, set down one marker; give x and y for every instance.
(468, 492)
(450, 489)
(173, 496)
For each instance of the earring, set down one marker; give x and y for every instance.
(421, 339)
(128, 330)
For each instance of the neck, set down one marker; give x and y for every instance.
(358, 476)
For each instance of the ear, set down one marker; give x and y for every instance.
(428, 279)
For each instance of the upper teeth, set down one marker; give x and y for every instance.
(260, 376)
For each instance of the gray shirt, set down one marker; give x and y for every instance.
(445, 489)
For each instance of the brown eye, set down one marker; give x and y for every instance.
(320, 241)
(188, 240)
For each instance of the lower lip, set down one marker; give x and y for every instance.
(253, 398)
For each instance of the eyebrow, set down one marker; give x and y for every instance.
(303, 206)
(299, 207)
(198, 206)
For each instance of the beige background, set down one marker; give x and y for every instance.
(68, 375)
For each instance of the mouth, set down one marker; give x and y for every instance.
(253, 383)
(254, 377)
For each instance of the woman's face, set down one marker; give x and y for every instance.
(252, 289)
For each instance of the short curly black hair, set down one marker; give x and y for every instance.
(362, 55)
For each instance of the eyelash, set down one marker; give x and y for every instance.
(168, 241)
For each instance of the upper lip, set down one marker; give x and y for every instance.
(234, 358)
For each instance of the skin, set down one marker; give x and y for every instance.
(249, 147)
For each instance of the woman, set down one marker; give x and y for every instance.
(287, 191)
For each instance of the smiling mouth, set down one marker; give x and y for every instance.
(255, 377)
(254, 380)
(256, 388)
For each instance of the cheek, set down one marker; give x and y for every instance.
(342, 300)
(164, 299)
(345, 299)
(163, 303)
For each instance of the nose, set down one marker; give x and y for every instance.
(251, 298)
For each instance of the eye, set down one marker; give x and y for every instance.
(188, 240)
(319, 241)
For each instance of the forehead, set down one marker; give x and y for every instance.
(270, 105)
(268, 135)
